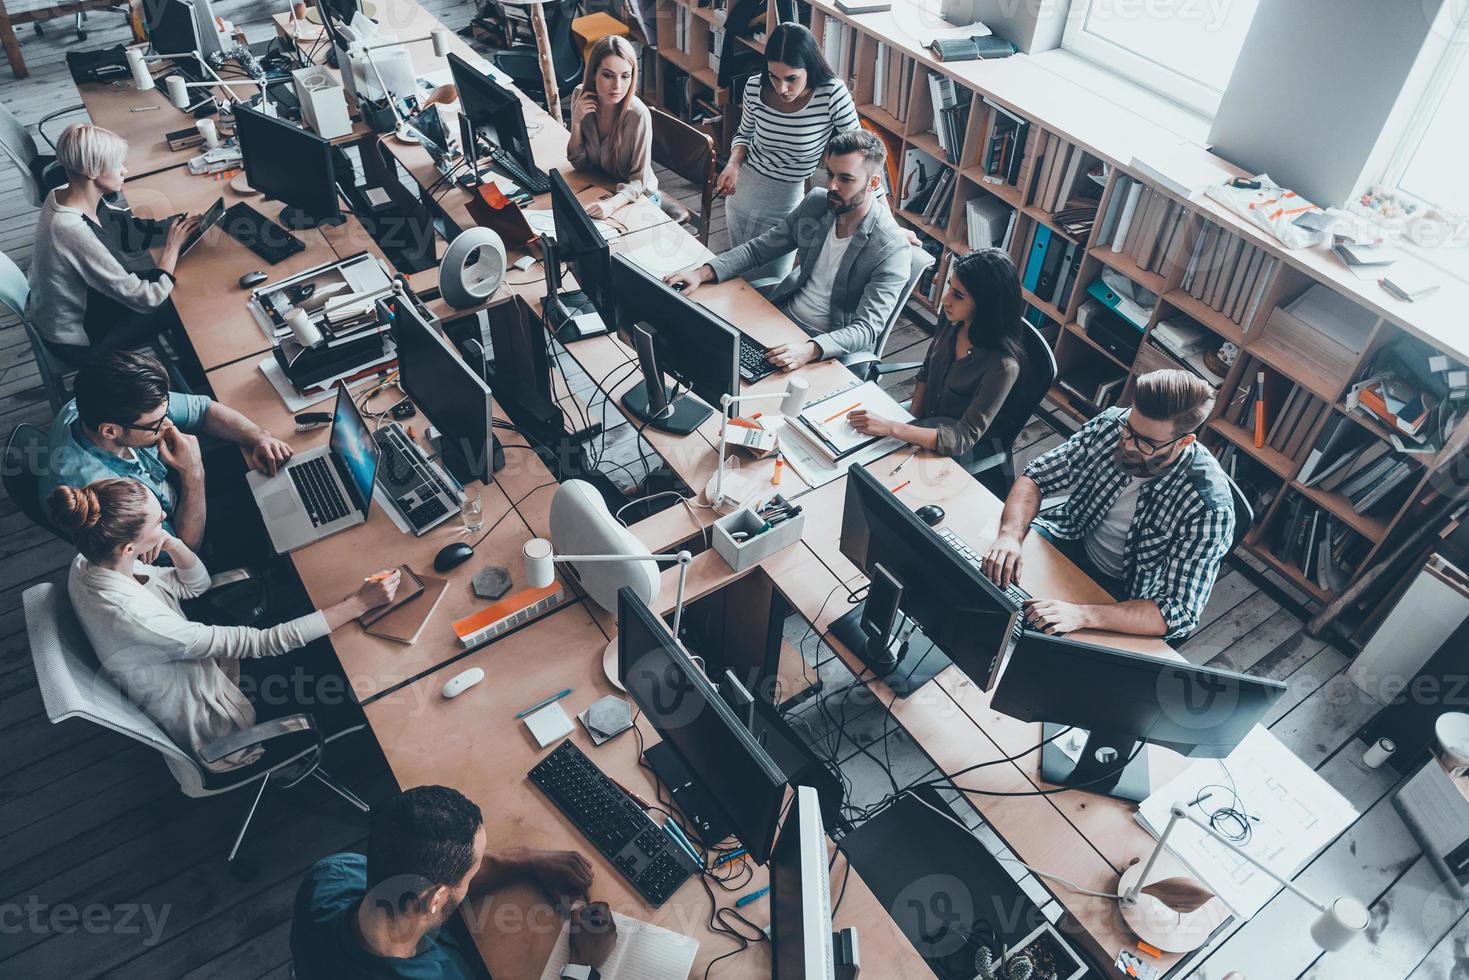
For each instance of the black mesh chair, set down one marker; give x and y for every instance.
(522, 62)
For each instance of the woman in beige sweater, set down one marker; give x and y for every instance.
(611, 129)
(184, 675)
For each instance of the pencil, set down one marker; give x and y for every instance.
(380, 576)
(842, 412)
(901, 485)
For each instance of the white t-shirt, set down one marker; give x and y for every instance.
(812, 302)
(1106, 543)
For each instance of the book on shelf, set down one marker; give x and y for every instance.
(1050, 274)
(1352, 466)
(1110, 214)
(1070, 269)
(1127, 215)
(1155, 256)
(986, 219)
(1145, 230)
(1141, 216)
(1294, 441)
(1055, 169)
(1074, 165)
(920, 177)
(1077, 216)
(1227, 265)
(1195, 265)
(1244, 284)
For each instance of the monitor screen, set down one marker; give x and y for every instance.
(580, 243)
(288, 163)
(432, 134)
(800, 895)
(480, 97)
(353, 444)
(689, 714)
(172, 28)
(453, 396)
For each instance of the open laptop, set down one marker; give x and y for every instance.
(323, 491)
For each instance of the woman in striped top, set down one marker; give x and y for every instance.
(788, 114)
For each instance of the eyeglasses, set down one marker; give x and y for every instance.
(1143, 444)
(152, 429)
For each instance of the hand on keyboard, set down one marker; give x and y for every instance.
(1055, 616)
(1002, 562)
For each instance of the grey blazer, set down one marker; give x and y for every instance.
(872, 277)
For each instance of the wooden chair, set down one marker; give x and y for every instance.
(688, 152)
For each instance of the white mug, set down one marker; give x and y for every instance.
(306, 332)
(1451, 731)
(207, 130)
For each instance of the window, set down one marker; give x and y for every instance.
(1429, 163)
(1183, 49)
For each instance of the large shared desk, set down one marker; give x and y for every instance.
(473, 742)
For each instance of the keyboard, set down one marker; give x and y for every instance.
(318, 491)
(753, 365)
(1015, 593)
(423, 498)
(259, 234)
(533, 180)
(645, 853)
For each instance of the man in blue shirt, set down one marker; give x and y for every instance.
(390, 915)
(125, 422)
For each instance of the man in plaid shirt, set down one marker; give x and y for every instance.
(1150, 515)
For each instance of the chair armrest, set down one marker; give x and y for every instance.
(264, 732)
(769, 282)
(882, 369)
(230, 578)
(41, 126)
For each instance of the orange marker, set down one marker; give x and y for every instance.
(1260, 410)
(901, 485)
(779, 467)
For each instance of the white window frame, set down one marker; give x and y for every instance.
(1449, 65)
(1166, 82)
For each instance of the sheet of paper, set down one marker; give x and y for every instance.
(366, 275)
(828, 417)
(643, 952)
(668, 254)
(815, 468)
(543, 222)
(294, 401)
(1299, 813)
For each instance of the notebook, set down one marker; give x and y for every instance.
(824, 423)
(643, 952)
(403, 619)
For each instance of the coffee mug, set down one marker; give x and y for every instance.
(1451, 731)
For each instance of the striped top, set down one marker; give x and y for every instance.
(788, 145)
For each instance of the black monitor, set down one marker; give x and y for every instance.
(1124, 699)
(172, 29)
(684, 708)
(800, 895)
(451, 393)
(580, 245)
(494, 110)
(290, 164)
(672, 333)
(918, 582)
(342, 10)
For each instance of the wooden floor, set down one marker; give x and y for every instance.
(106, 870)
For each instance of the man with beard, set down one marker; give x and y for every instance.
(390, 915)
(853, 258)
(1150, 515)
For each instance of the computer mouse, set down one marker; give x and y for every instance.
(452, 556)
(930, 514)
(462, 682)
(251, 279)
(680, 286)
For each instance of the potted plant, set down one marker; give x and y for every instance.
(1041, 955)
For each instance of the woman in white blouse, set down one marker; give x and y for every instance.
(184, 675)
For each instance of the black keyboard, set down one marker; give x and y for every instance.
(319, 492)
(1015, 593)
(410, 483)
(534, 181)
(259, 234)
(644, 852)
(753, 365)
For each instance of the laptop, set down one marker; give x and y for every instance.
(323, 491)
(206, 221)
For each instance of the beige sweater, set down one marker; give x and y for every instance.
(184, 675)
(626, 154)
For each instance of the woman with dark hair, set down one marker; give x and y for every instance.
(972, 364)
(787, 115)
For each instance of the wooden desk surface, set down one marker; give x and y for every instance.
(110, 105)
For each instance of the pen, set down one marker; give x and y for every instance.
(747, 899)
(732, 855)
(904, 463)
(146, 108)
(901, 485)
(676, 832)
(553, 698)
(844, 411)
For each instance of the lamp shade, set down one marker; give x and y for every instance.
(540, 569)
(795, 399)
(440, 37)
(178, 91)
(1343, 921)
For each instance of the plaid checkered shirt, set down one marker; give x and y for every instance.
(1182, 529)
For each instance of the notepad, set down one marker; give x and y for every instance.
(403, 620)
(643, 952)
(824, 423)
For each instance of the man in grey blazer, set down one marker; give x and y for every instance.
(852, 258)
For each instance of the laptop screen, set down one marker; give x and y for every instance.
(353, 444)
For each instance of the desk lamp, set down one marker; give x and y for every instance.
(540, 569)
(1164, 919)
(791, 401)
(440, 38)
(143, 79)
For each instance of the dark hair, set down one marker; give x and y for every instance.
(874, 154)
(989, 276)
(1180, 397)
(420, 840)
(119, 386)
(102, 516)
(793, 44)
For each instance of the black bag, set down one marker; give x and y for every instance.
(106, 65)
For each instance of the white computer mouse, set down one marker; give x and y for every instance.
(460, 683)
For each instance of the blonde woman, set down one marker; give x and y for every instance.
(184, 675)
(82, 297)
(611, 129)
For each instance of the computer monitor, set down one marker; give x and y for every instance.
(683, 707)
(1124, 699)
(172, 29)
(918, 581)
(800, 895)
(290, 164)
(451, 393)
(351, 442)
(495, 110)
(580, 245)
(675, 334)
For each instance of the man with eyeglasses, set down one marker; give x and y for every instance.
(1150, 516)
(125, 422)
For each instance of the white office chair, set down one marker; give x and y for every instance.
(38, 172)
(15, 292)
(73, 686)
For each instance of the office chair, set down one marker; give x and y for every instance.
(862, 363)
(688, 152)
(15, 292)
(39, 172)
(23, 451)
(523, 64)
(73, 686)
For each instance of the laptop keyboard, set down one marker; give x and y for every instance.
(319, 492)
(753, 365)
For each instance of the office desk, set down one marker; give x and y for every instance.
(111, 104)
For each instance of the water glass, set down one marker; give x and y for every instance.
(472, 511)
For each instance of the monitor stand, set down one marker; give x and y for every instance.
(561, 309)
(654, 405)
(1090, 772)
(295, 219)
(922, 661)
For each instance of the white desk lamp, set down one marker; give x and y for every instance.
(792, 399)
(1169, 928)
(440, 38)
(540, 568)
